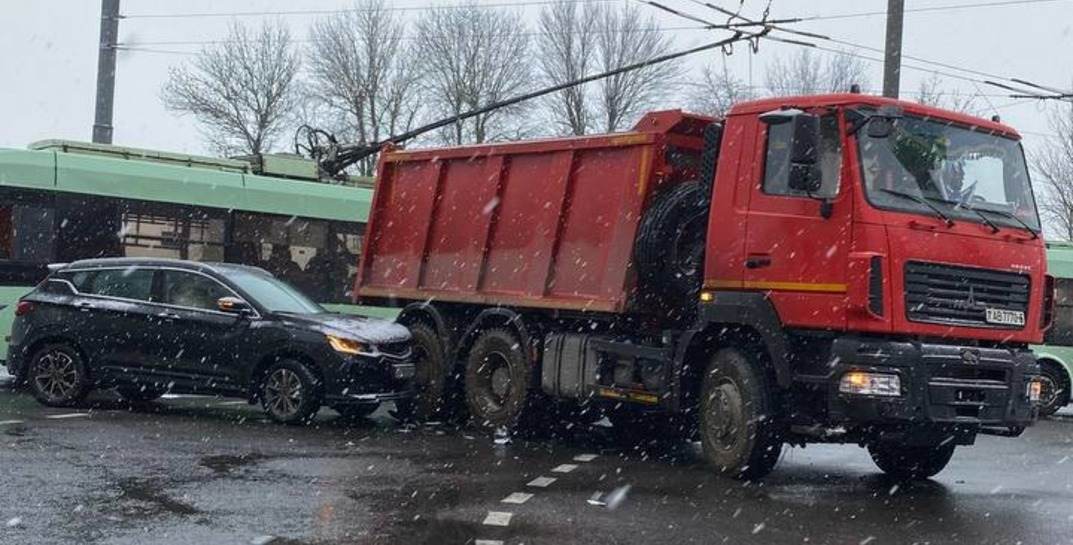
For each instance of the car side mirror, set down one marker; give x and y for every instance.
(234, 305)
(805, 153)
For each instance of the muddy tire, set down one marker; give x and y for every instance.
(436, 393)
(57, 375)
(290, 393)
(497, 380)
(1055, 391)
(738, 429)
(669, 253)
(911, 463)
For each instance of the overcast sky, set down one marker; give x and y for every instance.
(49, 62)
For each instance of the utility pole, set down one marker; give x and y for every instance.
(102, 124)
(892, 60)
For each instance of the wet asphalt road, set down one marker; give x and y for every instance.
(204, 471)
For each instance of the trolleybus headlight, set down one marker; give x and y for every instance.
(870, 384)
(1035, 388)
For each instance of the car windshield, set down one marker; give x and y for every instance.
(271, 292)
(964, 173)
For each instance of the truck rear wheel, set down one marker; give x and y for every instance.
(669, 253)
(911, 462)
(497, 379)
(738, 431)
(432, 382)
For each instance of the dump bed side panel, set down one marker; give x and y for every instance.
(548, 224)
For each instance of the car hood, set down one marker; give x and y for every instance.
(359, 328)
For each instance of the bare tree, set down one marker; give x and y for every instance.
(807, 74)
(364, 74)
(566, 46)
(242, 91)
(717, 91)
(1053, 163)
(932, 93)
(472, 57)
(626, 37)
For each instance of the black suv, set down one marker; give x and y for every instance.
(151, 326)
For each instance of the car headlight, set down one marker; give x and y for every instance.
(345, 346)
(870, 384)
(1034, 390)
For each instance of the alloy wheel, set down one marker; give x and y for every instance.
(283, 393)
(56, 375)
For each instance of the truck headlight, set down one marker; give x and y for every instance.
(870, 384)
(1034, 390)
(345, 346)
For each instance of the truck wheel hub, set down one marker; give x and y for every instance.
(501, 382)
(727, 416)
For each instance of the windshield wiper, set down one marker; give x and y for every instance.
(938, 213)
(1009, 215)
(994, 226)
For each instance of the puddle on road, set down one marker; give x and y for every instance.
(223, 464)
(153, 500)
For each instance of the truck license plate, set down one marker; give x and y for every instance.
(1005, 317)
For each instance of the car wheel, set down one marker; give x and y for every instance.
(355, 412)
(290, 392)
(911, 463)
(497, 379)
(738, 430)
(1054, 393)
(57, 375)
(142, 394)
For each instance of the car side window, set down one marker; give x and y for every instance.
(126, 283)
(777, 159)
(192, 290)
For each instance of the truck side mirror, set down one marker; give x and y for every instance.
(805, 153)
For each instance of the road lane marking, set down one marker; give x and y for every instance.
(498, 518)
(488, 542)
(238, 402)
(585, 457)
(541, 482)
(10, 422)
(517, 498)
(564, 468)
(69, 415)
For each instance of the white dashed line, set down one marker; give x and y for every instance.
(488, 542)
(585, 457)
(517, 498)
(541, 482)
(564, 468)
(10, 422)
(498, 518)
(238, 402)
(69, 415)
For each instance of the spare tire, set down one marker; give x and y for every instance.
(669, 253)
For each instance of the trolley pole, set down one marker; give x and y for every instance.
(892, 60)
(102, 124)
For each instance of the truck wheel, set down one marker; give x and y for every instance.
(738, 431)
(1055, 392)
(497, 379)
(57, 375)
(669, 253)
(433, 396)
(911, 463)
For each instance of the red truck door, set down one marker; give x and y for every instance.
(791, 250)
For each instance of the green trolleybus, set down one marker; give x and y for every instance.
(1056, 357)
(62, 201)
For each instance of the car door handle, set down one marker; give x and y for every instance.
(168, 316)
(84, 306)
(757, 261)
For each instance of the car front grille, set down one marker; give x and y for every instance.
(948, 294)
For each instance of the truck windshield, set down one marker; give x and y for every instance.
(970, 175)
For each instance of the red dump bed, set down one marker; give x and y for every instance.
(547, 223)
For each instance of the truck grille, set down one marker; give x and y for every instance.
(961, 295)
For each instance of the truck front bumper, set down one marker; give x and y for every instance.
(941, 384)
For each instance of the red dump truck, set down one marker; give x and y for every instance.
(837, 268)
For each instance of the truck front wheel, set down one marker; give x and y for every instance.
(497, 379)
(738, 430)
(434, 392)
(911, 462)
